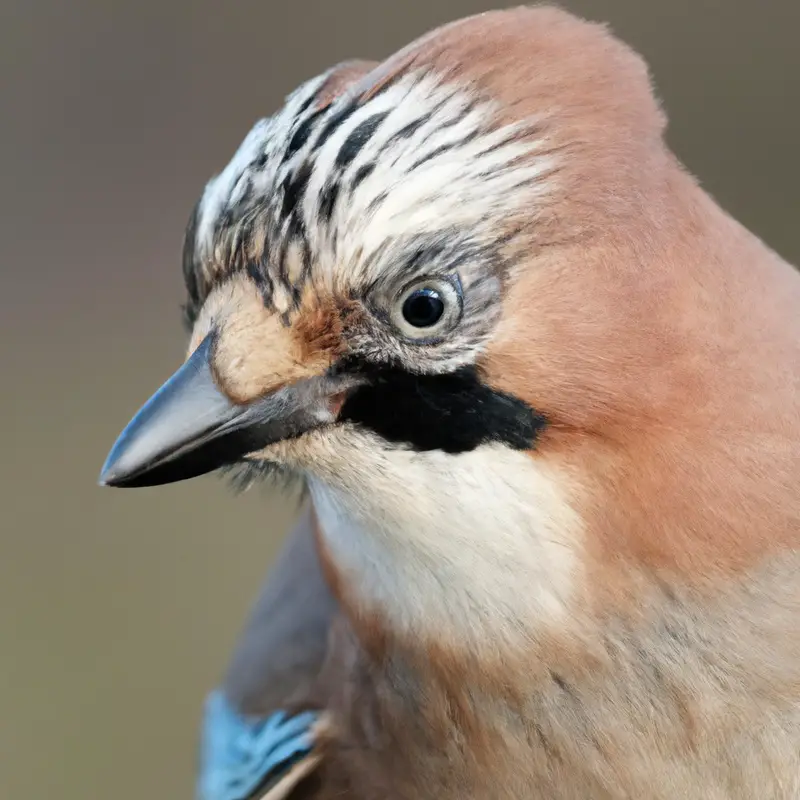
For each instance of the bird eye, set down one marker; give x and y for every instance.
(423, 308)
(427, 309)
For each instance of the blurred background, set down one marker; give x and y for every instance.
(118, 609)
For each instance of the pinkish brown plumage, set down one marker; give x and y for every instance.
(553, 540)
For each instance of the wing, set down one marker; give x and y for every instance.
(251, 746)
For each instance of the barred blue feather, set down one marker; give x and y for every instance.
(240, 753)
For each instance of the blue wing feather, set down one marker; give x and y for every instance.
(239, 752)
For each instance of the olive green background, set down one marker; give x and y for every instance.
(118, 608)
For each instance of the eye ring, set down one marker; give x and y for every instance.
(427, 309)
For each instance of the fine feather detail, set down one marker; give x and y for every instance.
(240, 754)
(614, 613)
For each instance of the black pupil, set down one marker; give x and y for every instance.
(423, 308)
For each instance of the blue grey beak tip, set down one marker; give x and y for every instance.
(177, 416)
(108, 474)
(189, 427)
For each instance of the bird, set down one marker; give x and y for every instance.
(541, 392)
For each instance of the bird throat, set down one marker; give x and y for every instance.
(473, 549)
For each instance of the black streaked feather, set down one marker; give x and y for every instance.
(334, 123)
(360, 176)
(328, 200)
(262, 280)
(294, 187)
(443, 149)
(408, 130)
(358, 138)
(300, 136)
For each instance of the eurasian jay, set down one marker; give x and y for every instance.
(543, 394)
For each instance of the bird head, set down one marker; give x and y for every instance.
(377, 248)
(472, 297)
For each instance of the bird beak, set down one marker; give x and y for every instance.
(189, 427)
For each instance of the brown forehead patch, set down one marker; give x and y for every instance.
(319, 326)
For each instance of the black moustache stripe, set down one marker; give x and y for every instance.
(454, 412)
